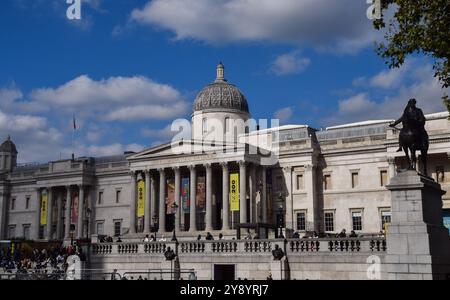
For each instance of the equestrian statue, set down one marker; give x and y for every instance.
(413, 136)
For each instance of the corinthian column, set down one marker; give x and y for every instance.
(177, 198)
(67, 214)
(162, 201)
(148, 208)
(80, 212)
(208, 215)
(133, 203)
(225, 197)
(243, 192)
(193, 193)
(49, 213)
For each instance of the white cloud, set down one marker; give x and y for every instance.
(284, 114)
(343, 24)
(113, 149)
(115, 98)
(289, 63)
(417, 82)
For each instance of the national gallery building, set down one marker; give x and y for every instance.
(302, 179)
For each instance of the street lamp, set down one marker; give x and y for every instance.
(175, 208)
(280, 218)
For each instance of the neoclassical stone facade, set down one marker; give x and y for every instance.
(322, 180)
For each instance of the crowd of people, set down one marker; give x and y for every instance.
(32, 263)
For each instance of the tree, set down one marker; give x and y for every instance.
(418, 26)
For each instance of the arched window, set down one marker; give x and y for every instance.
(227, 125)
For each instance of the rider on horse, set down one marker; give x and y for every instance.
(413, 119)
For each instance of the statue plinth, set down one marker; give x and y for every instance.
(417, 241)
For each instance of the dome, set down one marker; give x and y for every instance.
(8, 146)
(221, 95)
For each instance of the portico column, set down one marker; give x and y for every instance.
(133, 203)
(252, 193)
(264, 194)
(225, 197)
(193, 193)
(49, 213)
(243, 192)
(80, 212)
(177, 198)
(67, 214)
(148, 207)
(153, 200)
(59, 216)
(288, 197)
(38, 213)
(208, 215)
(162, 201)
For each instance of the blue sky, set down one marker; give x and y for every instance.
(130, 67)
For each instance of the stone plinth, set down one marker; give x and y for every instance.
(418, 245)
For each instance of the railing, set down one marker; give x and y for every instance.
(292, 246)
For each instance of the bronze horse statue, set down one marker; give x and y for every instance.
(413, 136)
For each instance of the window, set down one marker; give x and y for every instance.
(440, 175)
(26, 232)
(327, 182)
(11, 231)
(13, 203)
(355, 180)
(383, 177)
(385, 219)
(117, 228)
(100, 197)
(100, 228)
(118, 192)
(301, 221)
(227, 125)
(27, 202)
(204, 126)
(300, 184)
(329, 221)
(41, 232)
(357, 220)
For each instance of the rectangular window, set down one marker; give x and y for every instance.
(327, 182)
(100, 228)
(11, 231)
(117, 228)
(301, 221)
(13, 203)
(329, 221)
(100, 197)
(118, 192)
(300, 184)
(26, 232)
(357, 220)
(383, 177)
(27, 202)
(355, 180)
(385, 219)
(41, 232)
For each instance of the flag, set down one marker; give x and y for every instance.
(74, 123)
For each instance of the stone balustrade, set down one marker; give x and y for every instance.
(293, 247)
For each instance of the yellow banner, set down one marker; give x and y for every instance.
(234, 192)
(141, 199)
(44, 206)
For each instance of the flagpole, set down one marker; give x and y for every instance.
(73, 137)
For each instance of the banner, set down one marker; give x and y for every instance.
(234, 192)
(44, 207)
(141, 198)
(185, 200)
(170, 200)
(74, 217)
(201, 194)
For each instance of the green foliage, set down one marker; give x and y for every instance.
(418, 26)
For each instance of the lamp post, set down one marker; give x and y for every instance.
(175, 208)
(280, 215)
